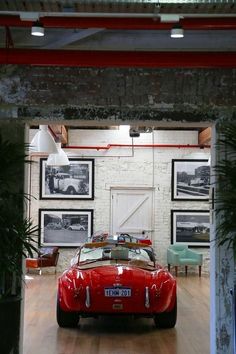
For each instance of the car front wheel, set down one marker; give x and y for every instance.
(166, 319)
(66, 319)
(71, 190)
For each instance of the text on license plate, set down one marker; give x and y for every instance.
(117, 292)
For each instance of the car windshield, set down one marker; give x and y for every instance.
(113, 253)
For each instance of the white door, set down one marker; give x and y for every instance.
(132, 211)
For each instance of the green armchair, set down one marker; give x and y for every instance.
(181, 255)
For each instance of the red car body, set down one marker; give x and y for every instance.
(123, 278)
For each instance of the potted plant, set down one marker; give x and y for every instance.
(225, 202)
(16, 240)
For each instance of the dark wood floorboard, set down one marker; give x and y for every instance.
(116, 335)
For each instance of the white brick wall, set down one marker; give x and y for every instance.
(126, 167)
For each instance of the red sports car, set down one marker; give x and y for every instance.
(116, 277)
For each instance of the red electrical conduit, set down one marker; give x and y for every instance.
(109, 146)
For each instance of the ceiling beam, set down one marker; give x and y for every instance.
(118, 58)
(129, 23)
(74, 37)
(204, 137)
(60, 132)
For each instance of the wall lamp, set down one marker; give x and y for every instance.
(177, 31)
(37, 29)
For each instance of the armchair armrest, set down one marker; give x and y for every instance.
(195, 255)
(172, 257)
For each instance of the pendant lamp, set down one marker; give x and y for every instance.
(177, 31)
(37, 29)
(43, 141)
(58, 159)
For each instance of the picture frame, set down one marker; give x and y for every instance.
(65, 227)
(190, 179)
(191, 227)
(75, 181)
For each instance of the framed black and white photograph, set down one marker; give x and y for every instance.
(65, 227)
(190, 179)
(191, 227)
(75, 181)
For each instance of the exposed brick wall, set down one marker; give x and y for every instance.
(116, 94)
(142, 167)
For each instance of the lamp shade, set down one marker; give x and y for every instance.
(177, 31)
(43, 141)
(37, 29)
(58, 159)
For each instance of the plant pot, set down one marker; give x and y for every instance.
(10, 324)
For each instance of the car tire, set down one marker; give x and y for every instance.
(166, 319)
(66, 319)
(70, 190)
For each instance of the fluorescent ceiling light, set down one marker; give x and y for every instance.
(169, 18)
(29, 16)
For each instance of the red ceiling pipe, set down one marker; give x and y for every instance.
(132, 23)
(211, 23)
(118, 58)
(109, 146)
(138, 23)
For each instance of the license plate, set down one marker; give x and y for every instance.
(117, 292)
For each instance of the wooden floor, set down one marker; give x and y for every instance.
(116, 335)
